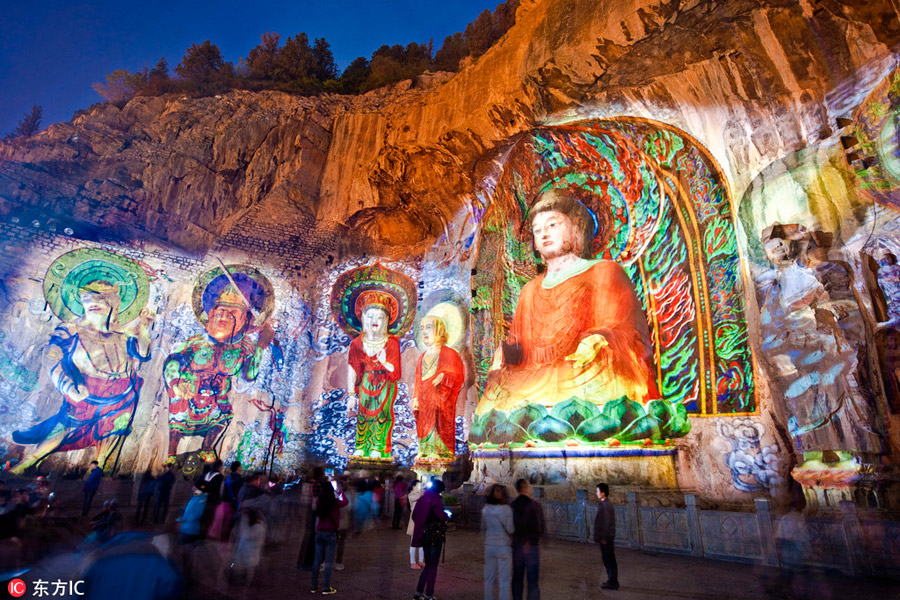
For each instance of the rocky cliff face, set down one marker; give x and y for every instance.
(751, 80)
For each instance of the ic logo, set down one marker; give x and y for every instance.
(16, 588)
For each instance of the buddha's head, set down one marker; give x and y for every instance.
(561, 225)
(433, 331)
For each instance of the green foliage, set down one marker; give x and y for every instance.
(261, 62)
(326, 69)
(202, 69)
(451, 52)
(355, 75)
(300, 68)
(30, 123)
(480, 34)
(121, 86)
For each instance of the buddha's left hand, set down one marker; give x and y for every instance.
(438, 379)
(587, 350)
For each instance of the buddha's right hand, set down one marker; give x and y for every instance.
(587, 350)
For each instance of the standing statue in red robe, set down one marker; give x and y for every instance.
(439, 377)
(373, 373)
(579, 329)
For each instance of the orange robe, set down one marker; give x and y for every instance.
(550, 323)
(437, 403)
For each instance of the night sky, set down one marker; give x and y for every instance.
(52, 51)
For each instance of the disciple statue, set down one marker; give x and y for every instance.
(579, 329)
(439, 377)
(96, 362)
(373, 373)
(813, 361)
(198, 373)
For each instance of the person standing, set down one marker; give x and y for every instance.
(400, 491)
(605, 535)
(497, 528)
(90, 487)
(528, 518)
(429, 534)
(212, 485)
(145, 495)
(328, 517)
(415, 492)
(164, 486)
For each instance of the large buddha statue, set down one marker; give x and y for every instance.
(579, 330)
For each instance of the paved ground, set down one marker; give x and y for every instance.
(377, 568)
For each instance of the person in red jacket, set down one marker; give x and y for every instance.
(327, 508)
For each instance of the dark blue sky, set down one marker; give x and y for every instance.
(51, 51)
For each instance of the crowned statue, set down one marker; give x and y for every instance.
(232, 306)
(373, 372)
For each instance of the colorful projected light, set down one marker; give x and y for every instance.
(662, 212)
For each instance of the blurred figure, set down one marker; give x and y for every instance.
(191, 528)
(365, 510)
(106, 524)
(90, 487)
(211, 483)
(429, 533)
(401, 489)
(328, 515)
(251, 537)
(310, 490)
(343, 528)
(224, 517)
(415, 492)
(130, 567)
(164, 486)
(496, 530)
(145, 495)
(528, 519)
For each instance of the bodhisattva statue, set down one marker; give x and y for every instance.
(373, 372)
(439, 377)
(95, 370)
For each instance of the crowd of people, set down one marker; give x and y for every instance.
(230, 520)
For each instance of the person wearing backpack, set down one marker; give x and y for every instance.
(327, 508)
(429, 534)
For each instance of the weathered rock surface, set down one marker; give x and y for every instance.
(752, 81)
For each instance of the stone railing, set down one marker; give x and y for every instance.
(852, 542)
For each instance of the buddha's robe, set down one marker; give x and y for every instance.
(376, 388)
(553, 315)
(436, 416)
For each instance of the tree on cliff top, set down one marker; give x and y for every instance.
(204, 70)
(261, 62)
(30, 123)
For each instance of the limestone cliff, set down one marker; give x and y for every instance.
(752, 81)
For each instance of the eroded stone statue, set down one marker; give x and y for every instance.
(439, 377)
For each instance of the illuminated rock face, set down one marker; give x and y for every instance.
(305, 189)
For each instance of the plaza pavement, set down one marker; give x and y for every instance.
(377, 567)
